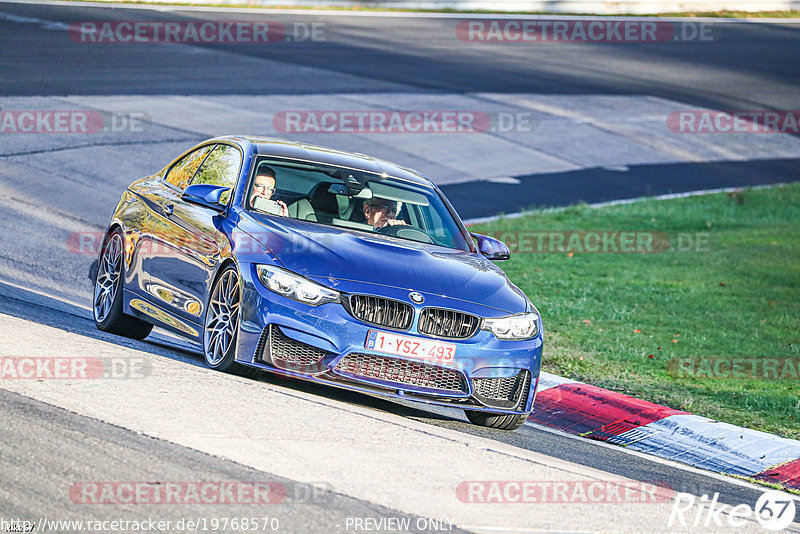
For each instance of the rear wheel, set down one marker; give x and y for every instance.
(496, 420)
(107, 299)
(222, 322)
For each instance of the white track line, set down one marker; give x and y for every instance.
(397, 14)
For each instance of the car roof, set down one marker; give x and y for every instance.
(284, 148)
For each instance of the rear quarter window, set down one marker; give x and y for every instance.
(221, 167)
(181, 173)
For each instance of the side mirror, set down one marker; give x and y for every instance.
(493, 249)
(206, 195)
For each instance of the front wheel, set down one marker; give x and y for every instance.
(107, 296)
(496, 420)
(222, 322)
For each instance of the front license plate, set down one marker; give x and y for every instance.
(411, 347)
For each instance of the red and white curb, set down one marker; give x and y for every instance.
(597, 413)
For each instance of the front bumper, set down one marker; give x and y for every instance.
(326, 344)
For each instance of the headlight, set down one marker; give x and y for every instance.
(295, 287)
(514, 327)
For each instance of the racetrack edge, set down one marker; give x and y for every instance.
(600, 414)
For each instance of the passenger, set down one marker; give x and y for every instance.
(264, 187)
(381, 212)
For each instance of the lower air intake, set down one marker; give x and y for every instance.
(286, 353)
(502, 392)
(402, 372)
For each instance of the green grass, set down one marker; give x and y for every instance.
(739, 296)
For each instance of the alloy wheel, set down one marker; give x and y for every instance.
(108, 273)
(222, 318)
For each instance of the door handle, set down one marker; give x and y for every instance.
(167, 209)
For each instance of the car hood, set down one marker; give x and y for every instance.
(325, 252)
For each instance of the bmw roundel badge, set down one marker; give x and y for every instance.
(416, 297)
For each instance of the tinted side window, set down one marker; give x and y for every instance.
(181, 173)
(221, 167)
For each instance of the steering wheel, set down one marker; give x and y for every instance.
(406, 232)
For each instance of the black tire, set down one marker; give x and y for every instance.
(496, 420)
(219, 349)
(107, 294)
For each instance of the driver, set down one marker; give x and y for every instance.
(381, 212)
(264, 187)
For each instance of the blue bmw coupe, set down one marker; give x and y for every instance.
(322, 265)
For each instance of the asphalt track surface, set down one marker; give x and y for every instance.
(599, 185)
(44, 448)
(70, 447)
(745, 66)
(47, 449)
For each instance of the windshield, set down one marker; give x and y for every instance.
(352, 199)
